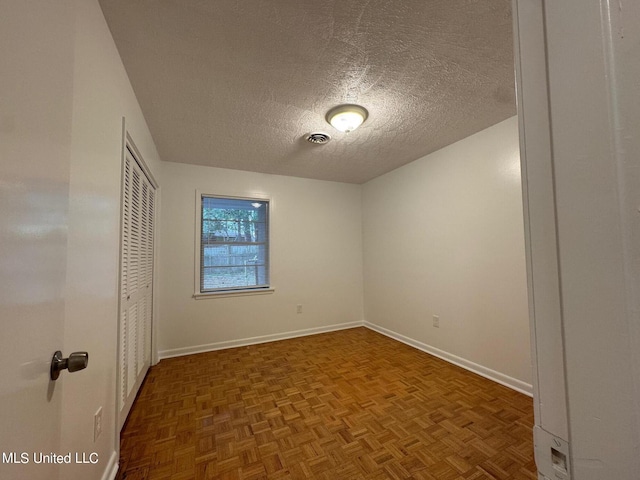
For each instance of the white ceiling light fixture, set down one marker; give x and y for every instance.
(346, 118)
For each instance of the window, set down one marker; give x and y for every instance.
(234, 244)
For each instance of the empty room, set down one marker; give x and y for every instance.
(335, 240)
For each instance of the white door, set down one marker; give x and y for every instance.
(36, 81)
(136, 282)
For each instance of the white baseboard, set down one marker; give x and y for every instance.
(112, 468)
(497, 377)
(243, 342)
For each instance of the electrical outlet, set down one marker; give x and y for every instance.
(97, 424)
(299, 308)
(436, 321)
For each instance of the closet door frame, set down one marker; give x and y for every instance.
(129, 148)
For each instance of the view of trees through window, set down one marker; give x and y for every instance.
(234, 244)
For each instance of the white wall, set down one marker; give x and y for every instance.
(102, 95)
(316, 259)
(444, 236)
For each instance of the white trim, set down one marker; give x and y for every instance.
(111, 470)
(129, 143)
(540, 217)
(155, 304)
(234, 293)
(243, 342)
(485, 372)
(116, 381)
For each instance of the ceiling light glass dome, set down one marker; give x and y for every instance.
(346, 118)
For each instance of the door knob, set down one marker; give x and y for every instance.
(76, 361)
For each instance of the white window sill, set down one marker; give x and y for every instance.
(234, 293)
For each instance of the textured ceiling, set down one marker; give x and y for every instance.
(239, 84)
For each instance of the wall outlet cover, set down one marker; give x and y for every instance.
(97, 424)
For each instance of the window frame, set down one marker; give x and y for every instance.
(198, 294)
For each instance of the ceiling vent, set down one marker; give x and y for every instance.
(318, 138)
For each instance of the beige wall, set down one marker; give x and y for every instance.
(444, 236)
(316, 260)
(102, 95)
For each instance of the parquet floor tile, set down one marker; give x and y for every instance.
(346, 405)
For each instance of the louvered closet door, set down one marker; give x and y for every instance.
(136, 292)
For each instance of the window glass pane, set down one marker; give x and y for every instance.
(234, 244)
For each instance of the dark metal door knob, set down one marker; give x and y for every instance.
(76, 361)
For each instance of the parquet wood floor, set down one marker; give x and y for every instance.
(347, 405)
